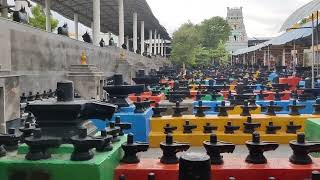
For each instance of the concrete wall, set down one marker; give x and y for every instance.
(41, 59)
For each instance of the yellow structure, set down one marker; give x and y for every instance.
(197, 137)
(83, 59)
(238, 110)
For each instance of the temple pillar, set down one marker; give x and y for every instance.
(135, 32)
(142, 38)
(48, 14)
(121, 23)
(76, 26)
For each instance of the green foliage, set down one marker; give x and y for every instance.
(201, 44)
(39, 19)
(185, 43)
(213, 31)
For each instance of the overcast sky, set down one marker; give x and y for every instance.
(262, 18)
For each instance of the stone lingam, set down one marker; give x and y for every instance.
(147, 80)
(118, 91)
(63, 116)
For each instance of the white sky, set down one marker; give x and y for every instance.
(263, 18)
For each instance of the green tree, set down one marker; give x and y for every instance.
(221, 54)
(214, 30)
(185, 45)
(39, 19)
(200, 44)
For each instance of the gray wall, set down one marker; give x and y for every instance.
(41, 59)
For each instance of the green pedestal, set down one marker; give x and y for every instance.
(209, 98)
(59, 167)
(164, 91)
(312, 132)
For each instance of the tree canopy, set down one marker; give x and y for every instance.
(39, 19)
(213, 31)
(186, 43)
(201, 44)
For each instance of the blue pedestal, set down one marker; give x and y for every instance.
(140, 123)
(283, 104)
(272, 76)
(309, 106)
(302, 84)
(211, 104)
(258, 87)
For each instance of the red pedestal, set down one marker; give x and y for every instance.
(171, 83)
(147, 95)
(292, 81)
(281, 169)
(270, 97)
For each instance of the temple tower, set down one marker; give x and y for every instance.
(238, 38)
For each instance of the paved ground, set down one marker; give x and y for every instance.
(284, 151)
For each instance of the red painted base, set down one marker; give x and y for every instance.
(281, 169)
(147, 95)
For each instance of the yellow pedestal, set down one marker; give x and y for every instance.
(239, 138)
(238, 110)
(197, 137)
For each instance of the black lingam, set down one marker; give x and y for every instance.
(83, 145)
(250, 126)
(170, 149)
(292, 128)
(223, 109)
(62, 117)
(214, 148)
(201, 109)
(257, 148)
(301, 148)
(229, 128)
(118, 91)
(39, 145)
(187, 127)
(131, 149)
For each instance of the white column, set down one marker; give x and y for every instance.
(161, 47)
(48, 21)
(4, 11)
(142, 37)
(165, 48)
(155, 43)
(135, 31)
(159, 43)
(283, 57)
(76, 26)
(121, 23)
(150, 42)
(128, 43)
(96, 22)
(264, 58)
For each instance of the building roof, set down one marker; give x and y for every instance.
(289, 36)
(301, 13)
(109, 14)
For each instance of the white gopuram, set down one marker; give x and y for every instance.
(238, 38)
